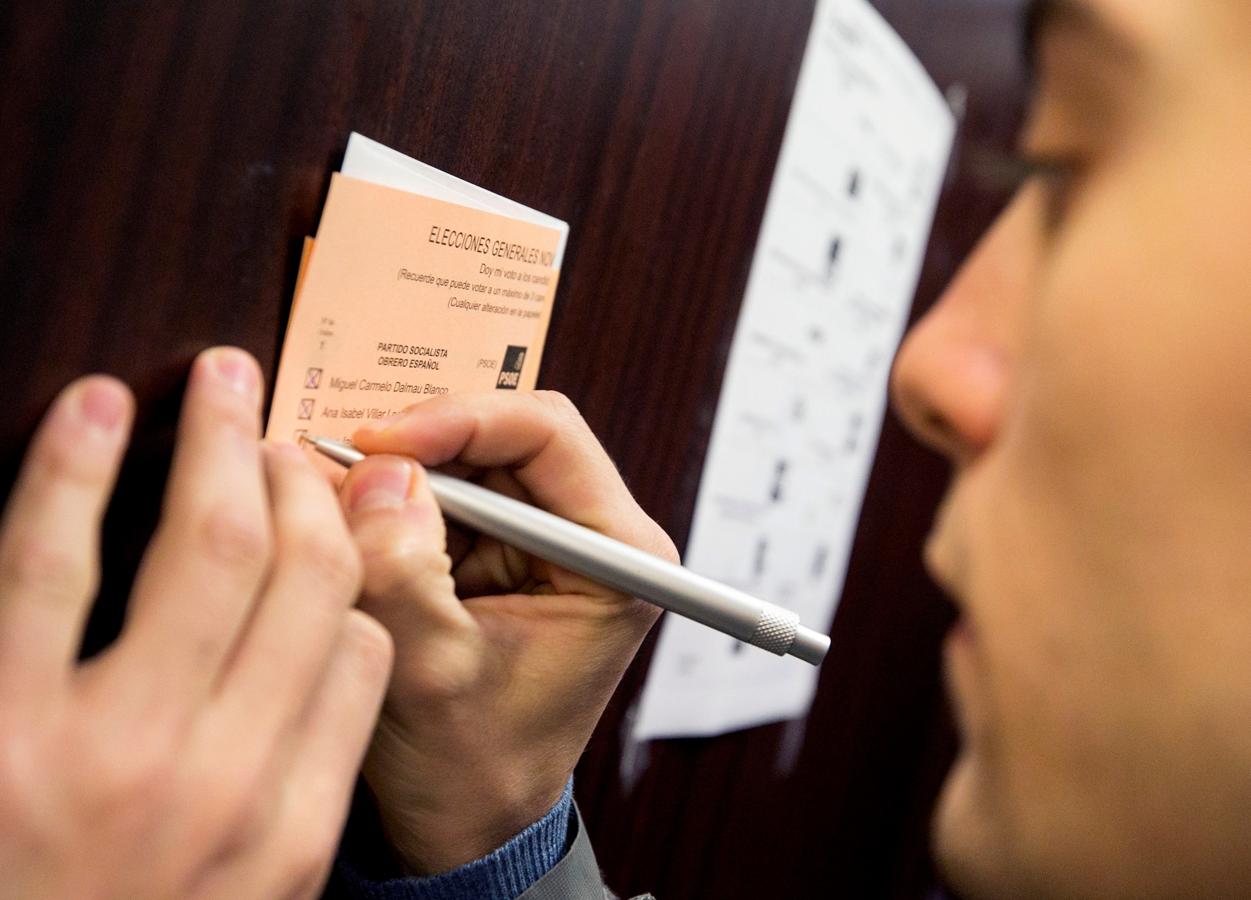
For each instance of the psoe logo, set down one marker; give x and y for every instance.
(510, 370)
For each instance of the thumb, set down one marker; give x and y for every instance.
(408, 584)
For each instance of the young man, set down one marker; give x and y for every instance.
(1087, 374)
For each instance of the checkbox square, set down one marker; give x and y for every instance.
(301, 435)
(306, 409)
(312, 379)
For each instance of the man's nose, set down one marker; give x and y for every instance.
(952, 374)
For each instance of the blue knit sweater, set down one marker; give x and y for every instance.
(503, 874)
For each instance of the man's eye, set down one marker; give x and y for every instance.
(1009, 172)
(1057, 177)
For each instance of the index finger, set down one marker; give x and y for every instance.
(541, 438)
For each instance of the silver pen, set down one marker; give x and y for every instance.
(614, 564)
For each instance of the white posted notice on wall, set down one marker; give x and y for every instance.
(832, 280)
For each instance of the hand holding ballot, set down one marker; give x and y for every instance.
(423, 289)
(503, 662)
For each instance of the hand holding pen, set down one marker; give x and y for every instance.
(504, 662)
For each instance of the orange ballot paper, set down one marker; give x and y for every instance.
(417, 286)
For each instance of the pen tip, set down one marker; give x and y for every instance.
(340, 451)
(317, 442)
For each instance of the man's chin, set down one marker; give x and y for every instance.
(969, 857)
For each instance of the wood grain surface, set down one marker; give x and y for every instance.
(160, 163)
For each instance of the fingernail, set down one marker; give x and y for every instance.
(386, 484)
(235, 369)
(102, 404)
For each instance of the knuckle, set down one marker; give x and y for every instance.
(334, 563)
(60, 459)
(246, 820)
(234, 540)
(132, 783)
(558, 404)
(21, 789)
(230, 412)
(235, 796)
(33, 565)
(399, 565)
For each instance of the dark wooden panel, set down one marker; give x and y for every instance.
(162, 160)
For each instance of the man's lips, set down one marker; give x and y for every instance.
(947, 564)
(961, 631)
(957, 660)
(938, 563)
(940, 556)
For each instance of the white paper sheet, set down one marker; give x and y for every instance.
(832, 280)
(371, 161)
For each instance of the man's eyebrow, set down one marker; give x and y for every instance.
(1084, 16)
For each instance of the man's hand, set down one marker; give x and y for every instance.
(504, 662)
(212, 750)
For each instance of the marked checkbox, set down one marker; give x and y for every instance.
(306, 409)
(312, 379)
(301, 435)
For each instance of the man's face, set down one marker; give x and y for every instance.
(1089, 373)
